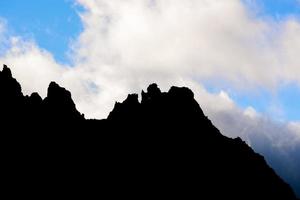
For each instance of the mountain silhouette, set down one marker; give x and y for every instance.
(160, 147)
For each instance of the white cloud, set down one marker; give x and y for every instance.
(295, 127)
(205, 39)
(126, 45)
(251, 112)
(33, 67)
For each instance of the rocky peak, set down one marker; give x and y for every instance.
(183, 99)
(57, 92)
(35, 98)
(182, 92)
(59, 103)
(6, 72)
(153, 92)
(132, 99)
(10, 89)
(129, 108)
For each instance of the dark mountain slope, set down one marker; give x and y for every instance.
(163, 146)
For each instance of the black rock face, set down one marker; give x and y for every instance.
(161, 147)
(59, 104)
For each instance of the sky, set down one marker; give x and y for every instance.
(240, 57)
(54, 24)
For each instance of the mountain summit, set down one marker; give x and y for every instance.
(161, 147)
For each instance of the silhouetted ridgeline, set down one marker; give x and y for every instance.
(163, 146)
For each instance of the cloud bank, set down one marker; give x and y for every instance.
(126, 45)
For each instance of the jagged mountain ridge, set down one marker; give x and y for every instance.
(163, 146)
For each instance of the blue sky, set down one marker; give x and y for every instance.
(53, 24)
(279, 8)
